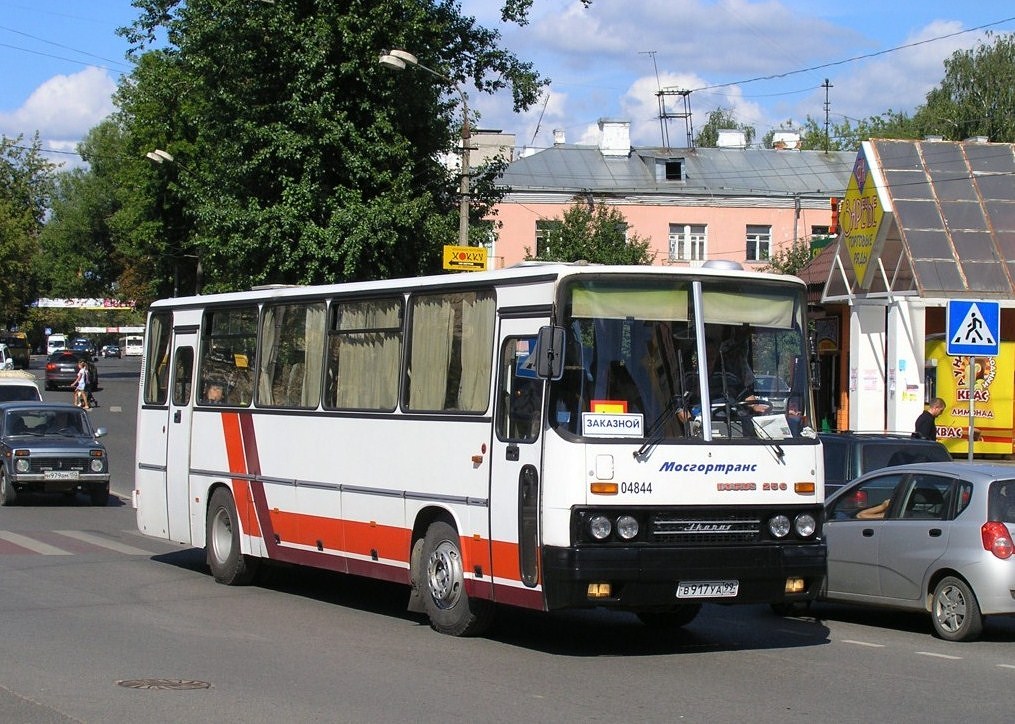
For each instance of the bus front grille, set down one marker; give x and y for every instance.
(700, 528)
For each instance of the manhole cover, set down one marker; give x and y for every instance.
(176, 684)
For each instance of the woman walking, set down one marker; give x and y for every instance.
(81, 386)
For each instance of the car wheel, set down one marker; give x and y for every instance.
(99, 495)
(955, 612)
(676, 617)
(7, 492)
(442, 580)
(222, 542)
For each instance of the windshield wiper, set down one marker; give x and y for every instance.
(654, 433)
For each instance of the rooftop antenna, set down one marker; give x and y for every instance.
(540, 121)
(826, 85)
(664, 139)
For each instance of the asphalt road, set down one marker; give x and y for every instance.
(102, 624)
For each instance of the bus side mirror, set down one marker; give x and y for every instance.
(550, 353)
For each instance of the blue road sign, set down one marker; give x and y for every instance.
(974, 328)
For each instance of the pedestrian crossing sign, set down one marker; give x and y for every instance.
(974, 328)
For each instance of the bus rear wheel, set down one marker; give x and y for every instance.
(222, 542)
(442, 583)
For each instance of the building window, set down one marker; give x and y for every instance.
(759, 242)
(819, 231)
(547, 231)
(687, 242)
(674, 170)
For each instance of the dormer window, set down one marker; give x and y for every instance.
(669, 169)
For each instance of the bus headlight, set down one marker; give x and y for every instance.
(600, 527)
(627, 527)
(805, 525)
(778, 526)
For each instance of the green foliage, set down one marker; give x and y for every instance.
(721, 119)
(26, 182)
(790, 259)
(594, 233)
(297, 157)
(974, 99)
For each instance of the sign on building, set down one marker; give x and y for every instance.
(465, 258)
(862, 218)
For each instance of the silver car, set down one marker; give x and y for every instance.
(933, 537)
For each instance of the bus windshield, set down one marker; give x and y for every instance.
(714, 359)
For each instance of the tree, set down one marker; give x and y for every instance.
(973, 99)
(596, 233)
(26, 183)
(297, 157)
(790, 259)
(718, 120)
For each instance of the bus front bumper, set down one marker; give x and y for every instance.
(647, 578)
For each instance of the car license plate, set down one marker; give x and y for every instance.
(707, 589)
(60, 475)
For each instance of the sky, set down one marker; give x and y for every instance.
(767, 60)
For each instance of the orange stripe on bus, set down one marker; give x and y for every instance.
(237, 464)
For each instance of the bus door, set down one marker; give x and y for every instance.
(181, 396)
(515, 459)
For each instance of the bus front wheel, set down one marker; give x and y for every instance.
(442, 583)
(222, 542)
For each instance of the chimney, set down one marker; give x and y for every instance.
(730, 138)
(558, 137)
(783, 140)
(615, 137)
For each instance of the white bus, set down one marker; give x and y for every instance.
(533, 436)
(132, 345)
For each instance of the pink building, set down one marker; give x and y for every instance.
(731, 202)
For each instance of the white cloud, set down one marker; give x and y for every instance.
(63, 109)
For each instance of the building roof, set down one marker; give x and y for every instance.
(572, 169)
(950, 208)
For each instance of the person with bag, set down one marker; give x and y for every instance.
(81, 386)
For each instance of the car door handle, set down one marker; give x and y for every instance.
(868, 532)
(935, 532)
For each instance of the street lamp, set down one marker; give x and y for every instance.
(159, 156)
(398, 60)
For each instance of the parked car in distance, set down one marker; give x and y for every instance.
(774, 389)
(848, 455)
(110, 350)
(62, 369)
(51, 447)
(17, 343)
(18, 386)
(934, 537)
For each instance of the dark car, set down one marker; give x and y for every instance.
(110, 350)
(848, 455)
(51, 447)
(62, 369)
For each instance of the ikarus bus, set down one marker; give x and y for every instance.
(547, 436)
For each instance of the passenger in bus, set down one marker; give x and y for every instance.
(215, 393)
(794, 416)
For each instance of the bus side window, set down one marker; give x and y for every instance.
(521, 399)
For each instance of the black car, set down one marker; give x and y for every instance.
(848, 455)
(110, 350)
(62, 369)
(51, 447)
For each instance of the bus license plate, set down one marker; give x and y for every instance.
(60, 475)
(707, 589)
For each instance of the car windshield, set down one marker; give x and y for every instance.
(37, 421)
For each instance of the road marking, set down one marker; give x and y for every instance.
(1006, 666)
(104, 542)
(939, 656)
(863, 643)
(33, 545)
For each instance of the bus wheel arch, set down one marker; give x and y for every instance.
(438, 578)
(225, 557)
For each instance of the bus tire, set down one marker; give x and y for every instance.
(442, 584)
(222, 542)
(7, 492)
(676, 617)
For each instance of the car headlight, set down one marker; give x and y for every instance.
(22, 465)
(97, 465)
(627, 527)
(805, 525)
(778, 526)
(600, 527)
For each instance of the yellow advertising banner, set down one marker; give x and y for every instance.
(993, 399)
(861, 214)
(465, 258)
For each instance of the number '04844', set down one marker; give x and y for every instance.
(636, 488)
